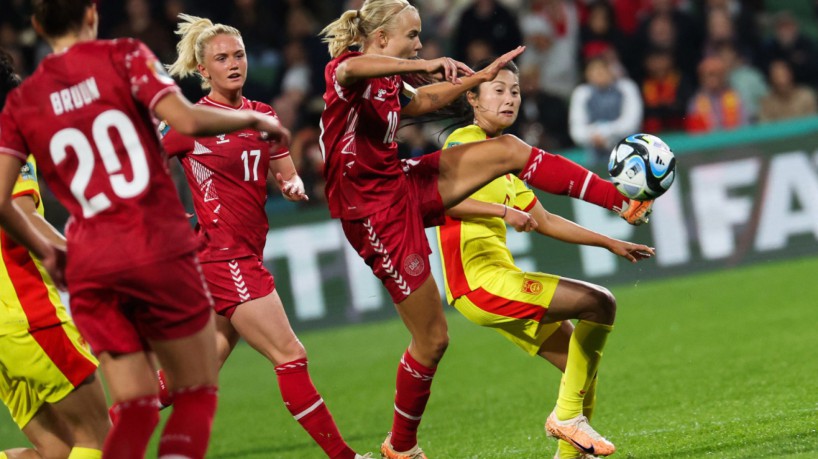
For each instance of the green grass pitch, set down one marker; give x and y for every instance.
(715, 365)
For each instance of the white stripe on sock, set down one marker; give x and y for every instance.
(585, 185)
(309, 410)
(407, 415)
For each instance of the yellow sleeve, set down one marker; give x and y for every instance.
(27, 181)
(463, 135)
(524, 198)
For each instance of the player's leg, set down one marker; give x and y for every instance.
(466, 168)
(84, 409)
(226, 339)
(555, 348)
(423, 316)
(48, 434)
(133, 391)
(555, 351)
(263, 323)
(85, 412)
(190, 364)
(596, 309)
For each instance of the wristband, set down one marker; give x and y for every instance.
(505, 211)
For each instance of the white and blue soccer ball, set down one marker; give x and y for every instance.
(642, 167)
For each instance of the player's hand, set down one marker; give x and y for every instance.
(519, 220)
(448, 69)
(272, 130)
(630, 251)
(54, 262)
(490, 72)
(292, 188)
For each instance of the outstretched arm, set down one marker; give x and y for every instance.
(472, 208)
(196, 120)
(367, 66)
(433, 97)
(559, 228)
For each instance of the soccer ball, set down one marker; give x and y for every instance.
(642, 167)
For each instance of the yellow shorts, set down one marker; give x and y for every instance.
(40, 367)
(513, 303)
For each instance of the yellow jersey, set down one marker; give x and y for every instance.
(473, 249)
(28, 297)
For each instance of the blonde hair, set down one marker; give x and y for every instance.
(354, 26)
(196, 32)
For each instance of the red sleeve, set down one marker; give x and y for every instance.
(176, 144)
(11, 139)
(283, 151)
(149, 80)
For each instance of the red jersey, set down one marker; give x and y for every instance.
(85, 116)
(358, 125)
(227, 175)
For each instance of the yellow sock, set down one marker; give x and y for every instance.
(84, 453)
(589, 402)
(584, 354)
(567, 451)
(3, 455)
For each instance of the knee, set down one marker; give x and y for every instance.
(294, 350)
(604, 305)
(432, 346)
(515, 152)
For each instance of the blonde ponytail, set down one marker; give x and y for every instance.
(196, 32)
(354, 26)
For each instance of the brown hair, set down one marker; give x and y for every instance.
(60, 17)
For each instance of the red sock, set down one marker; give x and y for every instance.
(187, 432)
(135, 421)
(112, 414)
(308, 408)
(411, 394)
(165, 399)
(558, 175)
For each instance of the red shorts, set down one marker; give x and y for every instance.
(233, 282)
(162, 301)
(423, 174)
(392, 241)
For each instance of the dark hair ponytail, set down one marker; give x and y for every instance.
(460, 113)
(8, 79)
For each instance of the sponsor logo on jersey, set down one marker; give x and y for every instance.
(222, 138)
(531, 286)
(414, 265)
(381, 94)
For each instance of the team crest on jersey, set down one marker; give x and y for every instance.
(381, 94)
(222, 138)
(531, 286)
(414, 265)
(27, 172)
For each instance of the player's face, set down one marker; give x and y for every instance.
(403, 37)
(498, 104)
(225, 63)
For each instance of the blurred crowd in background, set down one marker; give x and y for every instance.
(593, 72)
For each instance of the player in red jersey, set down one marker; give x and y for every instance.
(47, 373)
(131, 268)
(370, 189)
(227, 175)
